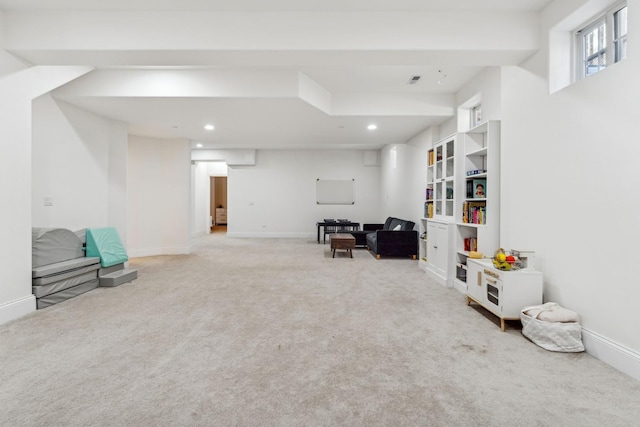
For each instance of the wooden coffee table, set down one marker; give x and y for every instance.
(342, 241)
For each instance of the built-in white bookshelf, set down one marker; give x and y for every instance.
(478, 221)
(441, 206)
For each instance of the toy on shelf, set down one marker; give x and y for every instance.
(505, 262)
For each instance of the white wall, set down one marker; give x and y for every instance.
(277, 196)
(15, 187)
(8, 63)
(201, 183)
(485, 88)
(77, 162)
(158, 197)
(421, 144)
(570, 168)
(117, 170)
(400, 182)
(17, 90)
(201, 198)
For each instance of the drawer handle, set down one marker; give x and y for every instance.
(491, 273)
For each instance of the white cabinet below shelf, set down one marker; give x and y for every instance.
(423, 249)
(439, 244)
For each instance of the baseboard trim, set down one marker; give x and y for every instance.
(15, 309)
(618, 356)
(272, 235)
(140, 253)
(438, 279)
(460, 286)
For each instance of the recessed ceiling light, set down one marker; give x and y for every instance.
(209, 127)
(372, 127)
(199, 145)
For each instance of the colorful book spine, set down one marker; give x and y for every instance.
(470, 244)
(429, 194)
(474, 213)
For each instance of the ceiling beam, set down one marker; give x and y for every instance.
(296, 38)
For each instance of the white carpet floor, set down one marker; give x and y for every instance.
(274, 332)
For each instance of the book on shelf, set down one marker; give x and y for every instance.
(474, 212)
(479, 188)
(476, 172)
(431, 154)
(470, 244)
(429, 194)
(428, 210)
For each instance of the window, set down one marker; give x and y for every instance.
(476, 115)
(620, 33)
(602, 42)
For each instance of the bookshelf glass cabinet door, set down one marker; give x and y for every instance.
(429, 193)
(441, 179)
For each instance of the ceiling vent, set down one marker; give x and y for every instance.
(413, 80)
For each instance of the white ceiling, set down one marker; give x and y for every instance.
(274, 5)
(349, 88)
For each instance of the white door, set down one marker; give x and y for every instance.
(432, 245)
(441, 250)
(474, 281)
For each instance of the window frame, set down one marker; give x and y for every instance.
(618, 39)
(476, 114)
(612, 46)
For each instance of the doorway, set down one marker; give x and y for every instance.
(218, 200)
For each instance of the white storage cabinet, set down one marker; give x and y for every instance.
(503, 293)
(439, 244)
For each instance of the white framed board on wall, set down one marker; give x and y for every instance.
(335, 191)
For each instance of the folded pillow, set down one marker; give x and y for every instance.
(559, 315)
(552, 312)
